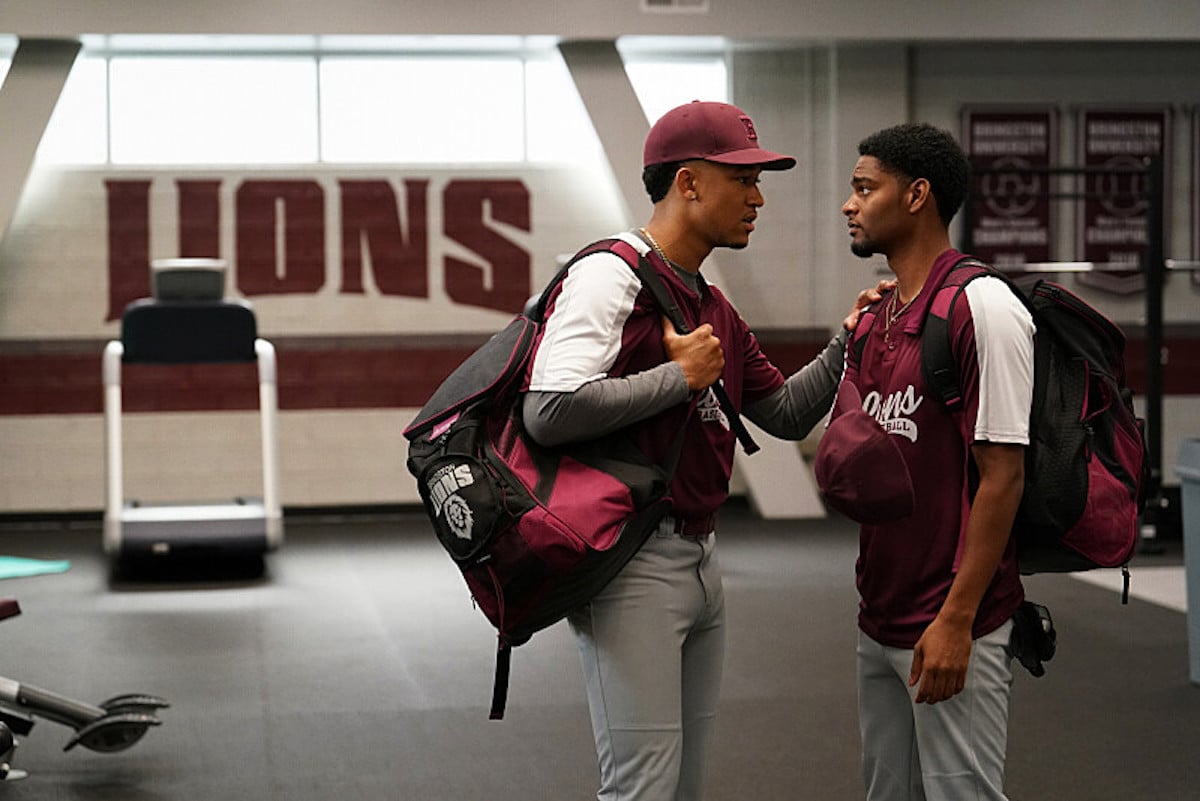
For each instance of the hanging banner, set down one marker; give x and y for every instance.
(1009, 212)
(1112, 224)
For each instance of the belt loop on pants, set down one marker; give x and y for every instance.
(696, 528)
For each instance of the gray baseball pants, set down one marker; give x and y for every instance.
(652, 645)
(949, 751)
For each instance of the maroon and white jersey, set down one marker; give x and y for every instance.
(601, 322)
(905, 568)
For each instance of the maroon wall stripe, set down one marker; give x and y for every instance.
(356, 373)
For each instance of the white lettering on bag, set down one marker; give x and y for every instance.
(446, 482)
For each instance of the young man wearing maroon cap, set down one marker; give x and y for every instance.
(939, 586)
(652, 642)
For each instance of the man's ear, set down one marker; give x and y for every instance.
(685, 182)
(919, 194)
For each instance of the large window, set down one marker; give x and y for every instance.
(206, 110)
(481, 101)
(78, 129)
(557, 128)
(662, 84)
(423, 109)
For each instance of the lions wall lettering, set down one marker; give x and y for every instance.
(280, 230)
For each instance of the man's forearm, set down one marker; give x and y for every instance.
(805, 398)
(602, 406)
(1001, 482)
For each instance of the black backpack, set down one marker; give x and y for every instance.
(1085, 466)
(536, 531)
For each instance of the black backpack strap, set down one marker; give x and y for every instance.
(667, 305)
(500, 682)
(504, 647)
(858, 338)
(938, 365)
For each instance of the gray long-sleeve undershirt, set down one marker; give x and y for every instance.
(605, 405)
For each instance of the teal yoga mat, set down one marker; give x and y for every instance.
(16, 567)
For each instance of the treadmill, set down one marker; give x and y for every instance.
(188, 321)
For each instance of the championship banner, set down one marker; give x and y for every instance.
(1010, 211)
(1112, 224)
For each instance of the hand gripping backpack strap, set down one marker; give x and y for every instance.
(668, 306)
(536, 311)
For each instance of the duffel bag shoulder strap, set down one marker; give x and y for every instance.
(667, 305)
(535, 309)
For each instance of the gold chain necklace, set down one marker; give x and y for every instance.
(891, 314)
(654, 244)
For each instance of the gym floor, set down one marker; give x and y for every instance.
(356, 668)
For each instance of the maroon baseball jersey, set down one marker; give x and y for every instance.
(601, 322)
(905, 568)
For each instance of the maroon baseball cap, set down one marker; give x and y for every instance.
(710, 131)
(860, 470)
